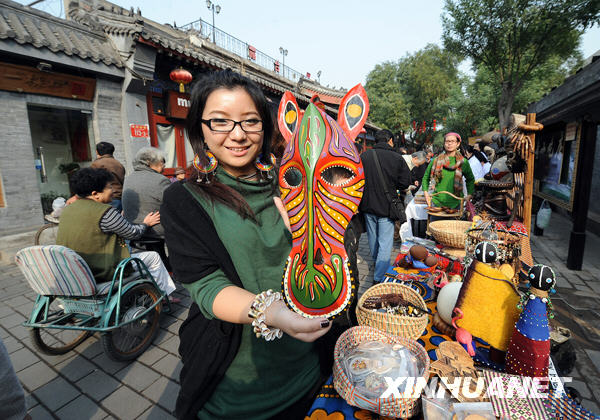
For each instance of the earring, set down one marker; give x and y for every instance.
(205, 170)
(265, 166)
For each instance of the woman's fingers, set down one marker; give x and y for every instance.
(310, 337)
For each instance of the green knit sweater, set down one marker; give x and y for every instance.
(265, 377)
(447, 184)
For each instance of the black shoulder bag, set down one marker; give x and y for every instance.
(396, 211)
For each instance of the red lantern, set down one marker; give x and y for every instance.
(434, 125)
(182, 77)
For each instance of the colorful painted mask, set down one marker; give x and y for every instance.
(321, 180)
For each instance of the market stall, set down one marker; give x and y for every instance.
(461, 319)
(434, 292)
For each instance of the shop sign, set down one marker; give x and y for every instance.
(17, 78)
(139, 130)
(178, 105)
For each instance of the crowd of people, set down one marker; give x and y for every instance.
(227, 238)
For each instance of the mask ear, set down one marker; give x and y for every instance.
(353, 111)
(288, 116)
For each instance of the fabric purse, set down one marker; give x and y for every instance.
(396, 211)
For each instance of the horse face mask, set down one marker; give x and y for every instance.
(321, 180)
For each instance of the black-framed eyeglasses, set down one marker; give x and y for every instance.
(225, 125)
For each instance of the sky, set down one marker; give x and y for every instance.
(344, 39)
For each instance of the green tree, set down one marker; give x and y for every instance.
(388, 108)
(472, 105)
(512, 38)
(426, 78)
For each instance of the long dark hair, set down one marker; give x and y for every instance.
(226, 79)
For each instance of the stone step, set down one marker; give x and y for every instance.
(11, 244)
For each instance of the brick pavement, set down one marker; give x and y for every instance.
(85, 384)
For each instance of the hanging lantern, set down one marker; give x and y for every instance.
(182, 77)
(434, 125)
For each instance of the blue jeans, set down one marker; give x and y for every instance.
(380, 231)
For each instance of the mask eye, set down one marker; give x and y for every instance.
(293, 177)
(548, 280)
(491, 253)
(478, 251)
(532, 275)
(337, 175)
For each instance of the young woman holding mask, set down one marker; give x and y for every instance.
(228, 245)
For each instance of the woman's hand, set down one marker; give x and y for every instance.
(278, 315)
(152, 219)
(427, 198)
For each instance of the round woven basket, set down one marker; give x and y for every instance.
(452, 233)
(399, 325)
(391, 406)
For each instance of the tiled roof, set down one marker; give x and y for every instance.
(25, 25)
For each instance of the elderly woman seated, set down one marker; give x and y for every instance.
(143, 189)
(142, 193)
(97, 232)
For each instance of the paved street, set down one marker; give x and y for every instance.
(86, 384)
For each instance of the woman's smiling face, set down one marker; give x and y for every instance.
(237, 150)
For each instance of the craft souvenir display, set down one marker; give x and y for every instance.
(418, 257)
(487, 304)
(381, 355)
(369, 363)
(453, 362)
(394, 308)
(529, 349)
(321, 179)
(507, 243)
(446, 300)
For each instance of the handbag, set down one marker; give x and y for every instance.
(396, 211)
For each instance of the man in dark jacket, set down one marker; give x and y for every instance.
(105, 160)
(375, 204)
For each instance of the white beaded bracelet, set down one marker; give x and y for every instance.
(257, 312)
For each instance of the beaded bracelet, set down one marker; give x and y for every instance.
(257, 312)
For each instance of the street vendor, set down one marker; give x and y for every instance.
(447, 170)
(228, 244)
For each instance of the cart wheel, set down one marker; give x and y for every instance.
(46, 235)
(131, 340)
(56, 341)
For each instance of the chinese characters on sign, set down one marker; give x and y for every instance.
(139, 130)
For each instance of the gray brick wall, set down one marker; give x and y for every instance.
(19, 177)
(107, 116)
(23, 209)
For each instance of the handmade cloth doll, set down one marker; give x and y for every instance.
(529, 349)
(487, 304)
(321, 180)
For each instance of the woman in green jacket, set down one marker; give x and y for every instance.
(447, 171)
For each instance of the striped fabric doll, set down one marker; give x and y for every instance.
(529, 349)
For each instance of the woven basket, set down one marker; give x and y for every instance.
(391, 406)
(398, 325)
(452, 233)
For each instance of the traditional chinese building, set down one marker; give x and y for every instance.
(107, 74)
(60, 91)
